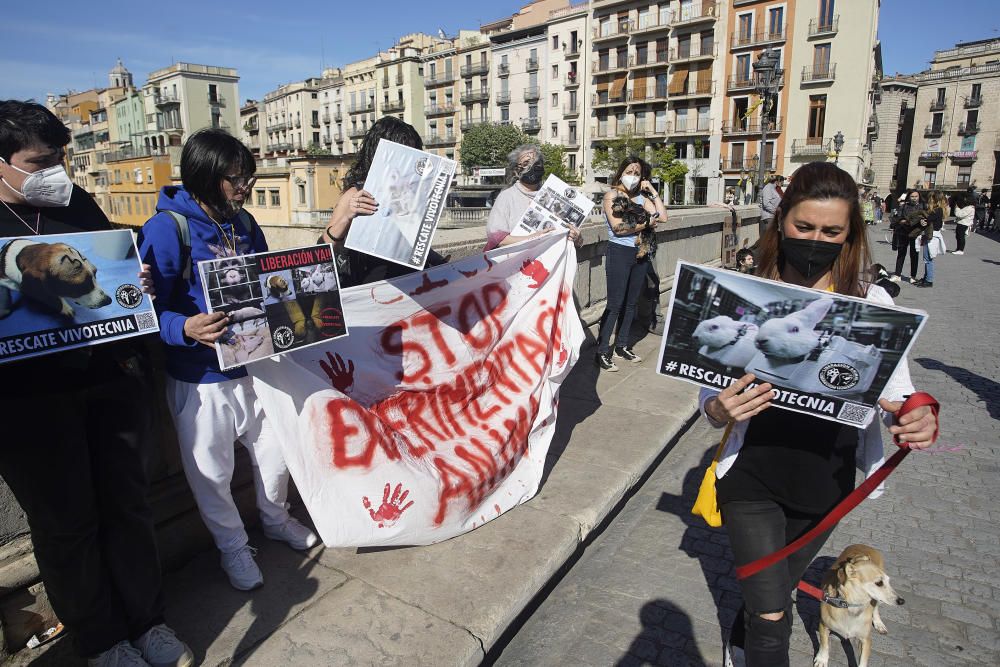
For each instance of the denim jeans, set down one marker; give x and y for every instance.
(928, 263)
(625, 276)
(757, 528)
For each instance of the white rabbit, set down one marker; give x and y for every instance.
(792, 336)
(726, 341)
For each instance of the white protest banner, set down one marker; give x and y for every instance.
(435, 415)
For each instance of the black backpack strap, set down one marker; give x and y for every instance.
(184, 236)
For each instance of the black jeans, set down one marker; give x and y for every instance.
(960, 237)
(902, 245)
(73, 460)
(757, 528)
(626, 276)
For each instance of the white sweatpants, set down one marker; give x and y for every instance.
(209, 418)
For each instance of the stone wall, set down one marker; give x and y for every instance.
(691, 234)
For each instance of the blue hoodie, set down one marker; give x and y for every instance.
(177, 299)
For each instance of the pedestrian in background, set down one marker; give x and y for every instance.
(965, 213)
(905, 234)
(867, 209)
(931, 241)
(770, 198)
(879, 206)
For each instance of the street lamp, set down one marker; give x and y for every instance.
(838, 145)
(767, 76)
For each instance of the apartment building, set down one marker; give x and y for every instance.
(331, 98)
(400, 73)
(473, 58)
(186, 97)
(520, 58)
(893, 133)
(569, 104)
(292, 119)
(956, 119)
(251, 121)
(135, 183)
(359, 101)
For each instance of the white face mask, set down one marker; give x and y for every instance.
(629, 181)
(46, 187)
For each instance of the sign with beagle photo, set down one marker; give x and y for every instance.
(62, 291)
(276, 302)
(556, 204)
(824, 354)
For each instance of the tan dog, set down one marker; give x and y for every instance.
(858, 578)
(51, 273)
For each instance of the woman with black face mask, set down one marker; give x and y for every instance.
(781, 471)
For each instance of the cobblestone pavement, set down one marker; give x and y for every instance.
(657, 585)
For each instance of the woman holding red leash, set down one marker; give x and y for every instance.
(781, 471)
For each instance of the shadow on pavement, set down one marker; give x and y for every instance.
(664, 624)
(986, 389)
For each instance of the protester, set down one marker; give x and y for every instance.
(770, 198)
(212, 408)
(77, 427)
(744, 261)
(965, 213)
(879, 205)
(981, 200)
(525, 170)
(931, 241)
(631, 209)
(783, 471)
(905, 233)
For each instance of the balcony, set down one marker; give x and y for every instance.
(216, 100)
(938, 105)
(571, 80)
(314, 123)
(744, 41)
(695, 13)
(738, 164)
(653, 24)
(685, 56)
(338, 116)
(571, 141)
(357, 132)
(298, 122)
(503, 97)
(399, 79)
(694, 89)
(739, 82)
(327, 140)
(326, 117)
(571, 110)
(338, 137)
(823, 74)
(439, 79)
(277, 127)
(611, 30)
(606, 132)
(531, 125)
(692, 126)
(532, 94)
(503, 69)
(813, 147)
(394, 106)
(658, 59)
(364, 107)
(446, 139)
(934, 130)
(605, 100)
(477, 68)
(439, 109)
(281, 147)
(162, 99)
(571, 53)
(930, 157)
(651, 95)
(385, 82)
(969, 129)
(607, 67)
(531, 65)
(973, 102)
(469, 123)
(750, 128)
(470, 96)
(963, 157)
(824, 27)
(648, 130)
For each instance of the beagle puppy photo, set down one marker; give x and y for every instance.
(56, 275)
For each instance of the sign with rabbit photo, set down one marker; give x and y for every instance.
(825, 354)
(276, 302)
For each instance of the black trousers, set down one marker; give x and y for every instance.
(902, 245)
(960, 237)
(74, 461)
(757, 528)
(626, 276)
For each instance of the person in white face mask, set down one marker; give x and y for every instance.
(76, 431)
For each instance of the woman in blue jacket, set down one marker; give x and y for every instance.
(213, 408)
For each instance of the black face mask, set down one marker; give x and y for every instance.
(808, 257)
(533, 174)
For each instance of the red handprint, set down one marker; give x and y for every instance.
(391, 509)
(341, 375)
(535, 271)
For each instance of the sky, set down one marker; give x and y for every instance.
(59, 45)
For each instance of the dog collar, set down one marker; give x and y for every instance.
(822, 596)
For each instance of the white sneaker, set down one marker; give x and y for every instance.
(121, 654)
(292, 533)
(242, 570)
(896, 278)
(958, 252)
(160, 647)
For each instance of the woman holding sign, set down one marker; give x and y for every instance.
(213, 408)
(781, 471)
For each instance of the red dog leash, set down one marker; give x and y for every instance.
(916, 400)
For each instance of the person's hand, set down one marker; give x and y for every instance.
(646, 185)
(206, 328)
(918, 428)
(731, 405)
(362, 203)
(146, 281)
(652, 221)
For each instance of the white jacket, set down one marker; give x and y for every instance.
(936, 246)
(869, 454)
(964, 216)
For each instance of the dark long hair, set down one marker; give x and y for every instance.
(386, 127)
(208, 155)
(645, 172)
(822, 181)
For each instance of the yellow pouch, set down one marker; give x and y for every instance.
(706, 505)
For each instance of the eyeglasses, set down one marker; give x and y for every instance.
(241, 182)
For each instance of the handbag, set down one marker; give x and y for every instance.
(706, 504)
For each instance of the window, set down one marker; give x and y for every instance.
(532, 111)
(137, 175)
(965, 175)
(302, 194)
(940, 96)
(642, 53)
(555, 41)
(275, 198)
(930, 177)
(571, 159)
(821, 60)
(555, 71)
(555, 130)
(504, 114)
(315, 137)
(937, 122)
(745, 28)
(261, 201)
(555, 100)
(681, 150)
(149, 174)
(743, 68)
(684, 46)
(775, 21)
(977, 91)
(826, 9)
(213, 93)
(971, 118)
(736, 155)
(740, 106)
(706, 42)
(817, 119)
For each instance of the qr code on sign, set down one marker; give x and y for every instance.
(145, 321)
(854, 413)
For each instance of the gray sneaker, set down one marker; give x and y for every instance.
(160, 647)
(121, 654)
(242, 569)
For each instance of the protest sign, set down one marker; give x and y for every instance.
(825, 354)
(62, 291)
(435, 415)
(411, 188)
(555, 204)
(276, 302)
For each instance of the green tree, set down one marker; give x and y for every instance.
(666, 166)
(488, 144)
(315, 149)
(555, 163)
